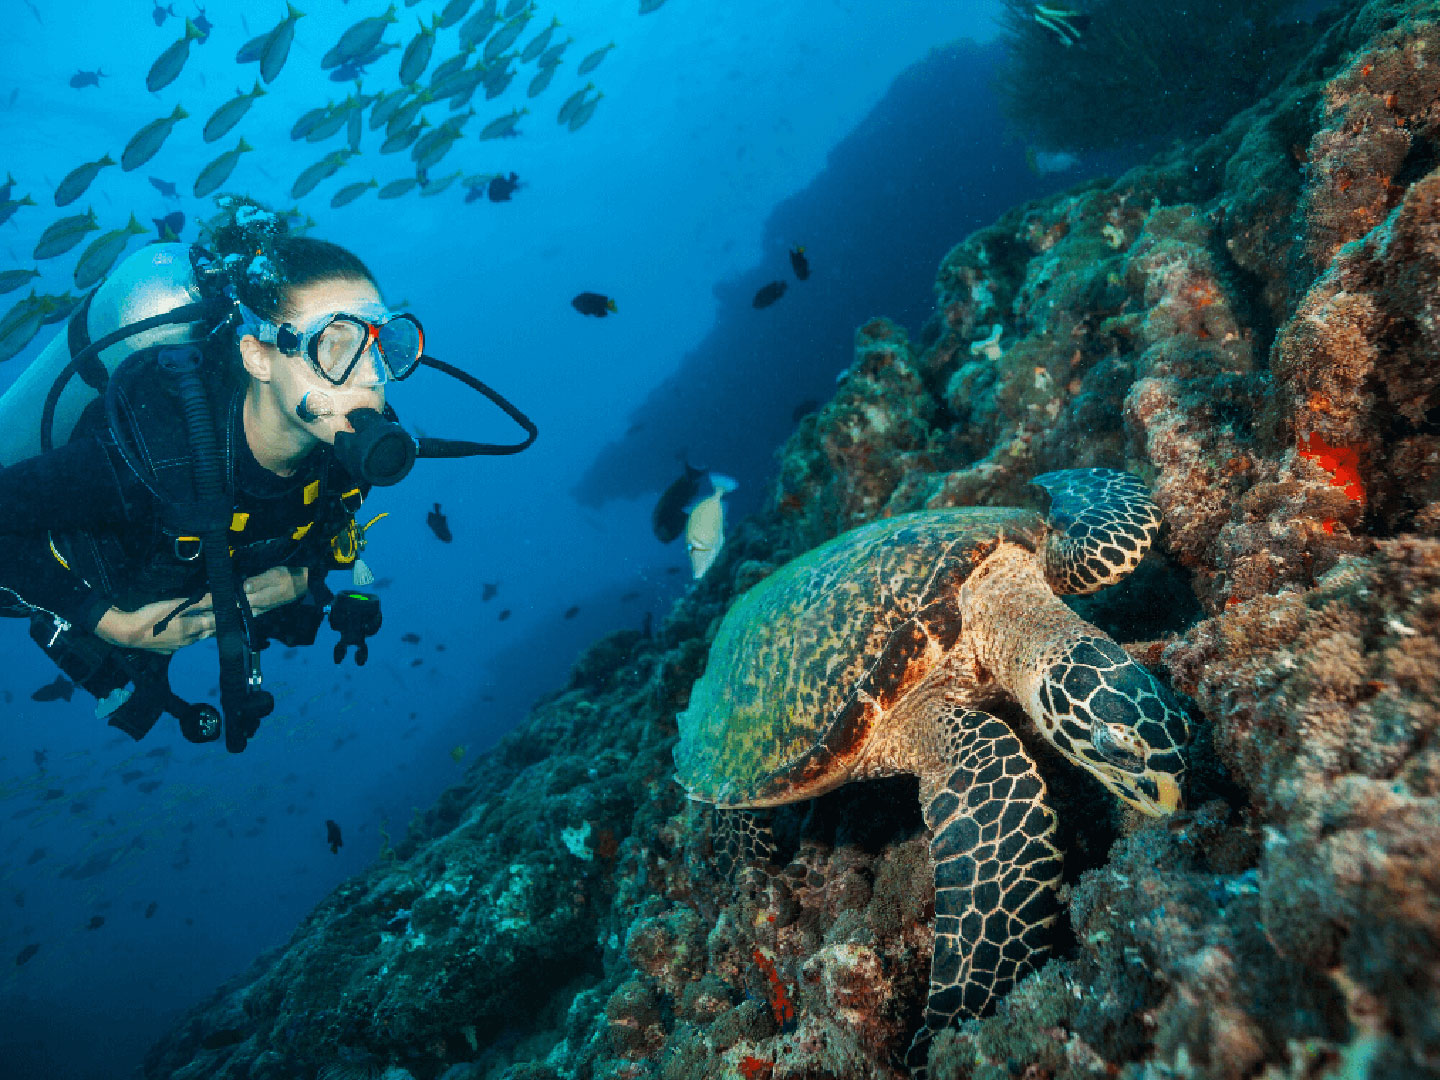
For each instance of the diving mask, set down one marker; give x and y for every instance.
(336, 342)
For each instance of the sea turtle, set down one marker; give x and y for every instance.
(878, 652)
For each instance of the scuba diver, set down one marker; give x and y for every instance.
(186, 461)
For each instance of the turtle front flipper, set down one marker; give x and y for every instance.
(741, 838)
(1103, 522)
(996, 869)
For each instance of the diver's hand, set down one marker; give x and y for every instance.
(136, 629)
(274, 588)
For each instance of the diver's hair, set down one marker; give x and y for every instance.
(264, 263)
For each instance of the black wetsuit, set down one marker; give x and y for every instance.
(82, 503)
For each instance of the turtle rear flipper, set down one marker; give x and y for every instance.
(1103, 522)
(996, 869)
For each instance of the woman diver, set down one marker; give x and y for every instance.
(207, 463)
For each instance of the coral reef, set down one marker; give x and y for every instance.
(1249, 323)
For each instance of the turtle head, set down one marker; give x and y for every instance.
(1110, 716)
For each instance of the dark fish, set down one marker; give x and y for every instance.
(332, 836)
(52, 794)
(571, 612)
(768, 294)
(410, 638)
(438, 525)
(40, 755)
(60, 688)
(504, 614)
(20, 898)
(667, 520)
(382, 583)
(221, 1038)
(160, 14)
(131, 776)
(96, 921)
(439, 646)
(417, 661)
(35, 856)
(626, 598)
(165, 187)
(203, 24)
(87, 78)
(502, 187)
(593, 303)
(151, 908)
(488, 590)
(148, 786)
(25, 955)
(799, 263)
(170, 226)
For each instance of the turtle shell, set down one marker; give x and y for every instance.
(807, 661)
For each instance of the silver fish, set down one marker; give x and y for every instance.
(350, 192)
(405, 115)
(541, 81)
(308, 120)
(79, 178)
(453, 12)
(10, 280)
(436, 186)
(592, 61)
(64, 234)
(540, 42)
(572, 103)
(219, 170)
(582, 115)
(146, 142)
(504, 127)
(505, 37)
(323, 169)
(364, 35)
(169, 64)
(385, 105)
(552, 55)
(21, 323)
(404, 138)
(477, 28)
(416, 57)
(647, 6)
(396, 188)
(277, 44)
(97, 259)
(253, 49)
(231, 113)
(9, 206)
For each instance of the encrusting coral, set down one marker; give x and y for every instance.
(1250, 324)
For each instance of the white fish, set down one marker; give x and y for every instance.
(705, 529)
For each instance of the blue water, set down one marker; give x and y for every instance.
(727, 133)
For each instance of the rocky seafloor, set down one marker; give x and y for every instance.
(1253, 326)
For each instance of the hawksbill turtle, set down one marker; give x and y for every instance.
(878, 652)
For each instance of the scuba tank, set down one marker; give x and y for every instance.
(155, 280)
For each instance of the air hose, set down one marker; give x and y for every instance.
(242, 702)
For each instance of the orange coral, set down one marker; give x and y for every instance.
(780, 1004)
(1341, 462)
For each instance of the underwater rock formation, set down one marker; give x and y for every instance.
(1250, 324)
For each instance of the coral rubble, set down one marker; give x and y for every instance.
(1252, 325)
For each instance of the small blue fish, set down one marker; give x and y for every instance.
(87, 78)
(165, 187)
(203, 24)
(160, 14)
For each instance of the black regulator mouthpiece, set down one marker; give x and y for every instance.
(378, 452)
(355, 616)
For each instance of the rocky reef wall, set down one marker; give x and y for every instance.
(1253, 326)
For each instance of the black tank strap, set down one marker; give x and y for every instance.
(77, 333)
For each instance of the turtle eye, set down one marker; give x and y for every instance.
(1118, 745)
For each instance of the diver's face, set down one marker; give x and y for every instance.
(293, 377)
